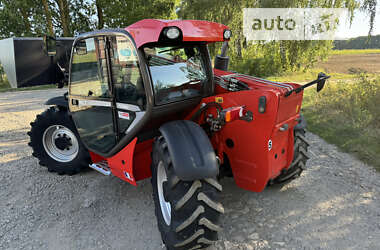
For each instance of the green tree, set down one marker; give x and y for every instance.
(63, 13)
(53, 17)
(99, 12)
(69, 17)
(119, 14)
(16, 18)
(49, 20)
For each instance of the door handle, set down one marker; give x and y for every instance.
(74, 102)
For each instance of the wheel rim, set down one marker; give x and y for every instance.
(56, 133)
(165, 206)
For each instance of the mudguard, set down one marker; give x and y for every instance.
(192, 154)
(58, 101)
(301, 123)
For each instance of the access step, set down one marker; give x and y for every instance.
(101, 167)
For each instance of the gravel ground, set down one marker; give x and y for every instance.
(335, 205)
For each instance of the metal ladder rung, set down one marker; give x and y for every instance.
(102, 167)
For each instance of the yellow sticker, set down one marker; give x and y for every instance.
(298, 106)
(219, 99)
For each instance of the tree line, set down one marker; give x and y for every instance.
(70, 17)
(362, 42)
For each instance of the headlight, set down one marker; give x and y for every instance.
(227, 34)
(172, 33)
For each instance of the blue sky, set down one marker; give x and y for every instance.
(359, 26)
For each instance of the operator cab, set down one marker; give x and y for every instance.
(121, 88)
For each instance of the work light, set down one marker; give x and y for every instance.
(227, 34)
(172, 33)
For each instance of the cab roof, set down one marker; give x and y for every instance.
(149, 30)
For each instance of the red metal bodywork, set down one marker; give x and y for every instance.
(149, 30)
(131, 164)
(252, 160)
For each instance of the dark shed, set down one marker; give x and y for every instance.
(26, 64)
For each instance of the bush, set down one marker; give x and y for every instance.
(358, 102)
(3, 78)
(256, 67)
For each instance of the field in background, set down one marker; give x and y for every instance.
(304, 77)
(352, 63)
(341, 65)
(355, 51)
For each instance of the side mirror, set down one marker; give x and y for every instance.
(322, 77)
(50, 45)
(81, 48)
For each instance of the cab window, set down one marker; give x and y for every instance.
(126, 76)
(89, 69)
(177, 72)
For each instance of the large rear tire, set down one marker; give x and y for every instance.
(299, 160)
(187, 211)
(56, 143)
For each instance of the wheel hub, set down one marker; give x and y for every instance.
(63, 142)
(60, 143)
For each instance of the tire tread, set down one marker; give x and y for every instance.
(195, 207)
(299, 161)
(44, 120)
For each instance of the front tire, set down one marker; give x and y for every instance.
(56, 143)
(187, 212)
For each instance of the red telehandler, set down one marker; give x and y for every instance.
(146, 102)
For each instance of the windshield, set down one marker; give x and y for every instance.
(177, 72)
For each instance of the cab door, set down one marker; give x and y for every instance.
(90, 99)
(127, 84)
(106, 94)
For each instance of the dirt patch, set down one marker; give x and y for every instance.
(347, 64)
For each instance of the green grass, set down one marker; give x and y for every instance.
(304, 77)
(355, 51)
(90, 57)
(9, 89)
(4, 85)
(347, 114)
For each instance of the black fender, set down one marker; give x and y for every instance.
(301, 124)
(58, 101)
(191, 152)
